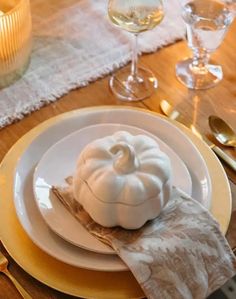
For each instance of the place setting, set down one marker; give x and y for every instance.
(41, 215)
(117, 193)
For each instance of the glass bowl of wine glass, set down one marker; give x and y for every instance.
(134, 83)
(207, 22)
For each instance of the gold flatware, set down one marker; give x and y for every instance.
(3, 269)
(169, 111)
(222, 131)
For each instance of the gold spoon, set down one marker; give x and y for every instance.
(222, 131)
(3, 269)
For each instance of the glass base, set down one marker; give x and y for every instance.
(129, 88)
(196, 78)
(10, 78)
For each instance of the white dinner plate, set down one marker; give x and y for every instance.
(26, 208)
(60, 161)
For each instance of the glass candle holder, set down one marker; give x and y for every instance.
(15, 39)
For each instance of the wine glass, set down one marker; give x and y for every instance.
(135, 16)
(207, 22)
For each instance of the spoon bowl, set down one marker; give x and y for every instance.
(223, 133)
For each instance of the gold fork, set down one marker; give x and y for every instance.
(3, 269)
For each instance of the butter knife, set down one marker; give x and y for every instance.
(169, 111)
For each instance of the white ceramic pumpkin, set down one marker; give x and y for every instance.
(123, 180)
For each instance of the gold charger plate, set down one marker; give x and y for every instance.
(72, 280)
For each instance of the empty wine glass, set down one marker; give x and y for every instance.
(207, 22)
(134, 16)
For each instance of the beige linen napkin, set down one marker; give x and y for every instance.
(181, 254)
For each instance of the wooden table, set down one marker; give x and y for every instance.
(196, 106)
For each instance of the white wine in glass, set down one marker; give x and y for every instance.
(135, 16)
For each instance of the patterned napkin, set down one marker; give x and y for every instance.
(181, 254)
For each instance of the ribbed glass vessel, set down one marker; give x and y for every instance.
(15, 39)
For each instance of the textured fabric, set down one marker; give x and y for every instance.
(73, 44)
(181, 254)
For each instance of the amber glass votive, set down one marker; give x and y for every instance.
(15, 39)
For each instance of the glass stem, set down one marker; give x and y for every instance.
(134, 62)
(200, 60)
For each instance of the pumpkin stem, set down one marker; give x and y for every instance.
(126, 161)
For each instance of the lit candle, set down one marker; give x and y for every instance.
(15, 37)
(6, 35)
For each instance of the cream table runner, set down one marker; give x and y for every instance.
(73, 44)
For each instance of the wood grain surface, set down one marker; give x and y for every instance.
(196, 106)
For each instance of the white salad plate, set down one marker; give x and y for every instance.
(60, 161)
(54, 130)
